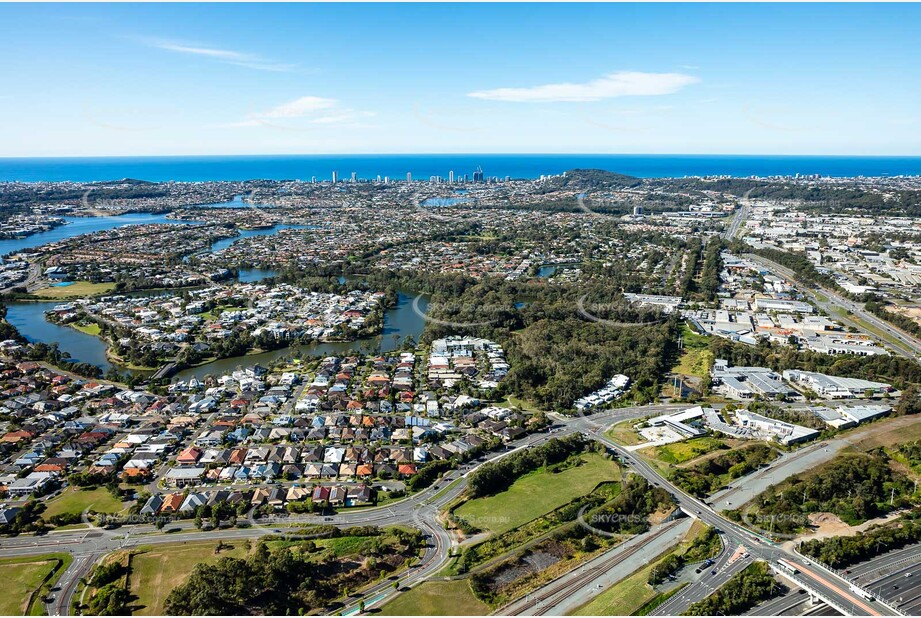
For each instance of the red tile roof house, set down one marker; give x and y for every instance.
(171, 503)
(321, 495)
(189, 456)
(17, 436)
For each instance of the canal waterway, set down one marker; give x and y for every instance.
(29, 317)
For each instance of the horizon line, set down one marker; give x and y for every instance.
(459, 154)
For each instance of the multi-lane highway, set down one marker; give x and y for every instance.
(739, 218)
(832, 588)
(897, 339)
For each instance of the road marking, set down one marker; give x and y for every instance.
(853, 601)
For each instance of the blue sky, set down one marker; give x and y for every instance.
(144, 79)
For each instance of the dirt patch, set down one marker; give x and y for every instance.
(827, 525)
(539, 559)
(885, 433)
(909, 312)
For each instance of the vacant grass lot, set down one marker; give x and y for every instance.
(537, 493)
(886, 432)
(696, 359)
(78, 288)
(623, 598)
(214, 313)
(680, 452)
(90, 329)
(623, 433)
(452, 598)
(23, 576)
(157, 570)
(76, 500)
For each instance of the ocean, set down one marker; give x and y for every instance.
(422, 167)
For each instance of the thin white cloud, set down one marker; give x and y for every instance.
(620, 84)
(300, 107)
(250, 61)
(307, 110)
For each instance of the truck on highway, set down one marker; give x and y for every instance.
(860, 591)
(789, 567)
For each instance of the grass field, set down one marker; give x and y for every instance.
(680, 452)
(78, 288)
(452, 598)
(76, 500)
(537, 493)
(623, 433)
(156, 571)
(23, 576)
(523, 404)
(345, 545)
(623, 598)
(214, 313)
(696, 359)
(90, 329)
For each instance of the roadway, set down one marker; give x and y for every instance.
(794, 602)
(577, 587)
(832, 587)
(711, 579)
(739, 218)
(900, 341)
(423, 509)
(785, 466)
(894, 576)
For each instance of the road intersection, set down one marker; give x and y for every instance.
(423, 510)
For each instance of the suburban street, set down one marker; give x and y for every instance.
(423, 509)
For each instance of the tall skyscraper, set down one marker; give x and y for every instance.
(335, 176)
(451, 177)
(354, 177)
(478, 174)
(409, 176)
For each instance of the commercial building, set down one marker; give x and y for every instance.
(747, 382)
(680, 422)
(834, 387)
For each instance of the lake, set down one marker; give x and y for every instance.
(29, 319)
(399, 322)
(236, 202)
(223, 244)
